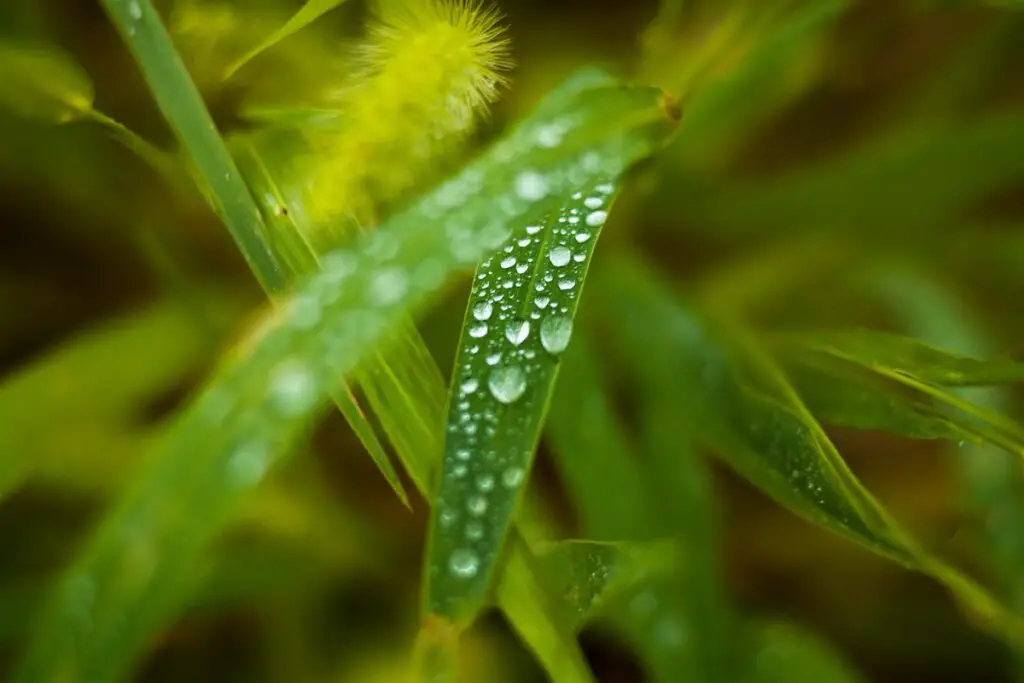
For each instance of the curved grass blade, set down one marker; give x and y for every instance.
(768, 435)
(518, 323)
(131, 577)
(307, 14)
(43, 82)
(884, 351)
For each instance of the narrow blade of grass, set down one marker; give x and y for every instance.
(518, 323)
(768, 435)
(307, 14)
(131, 577)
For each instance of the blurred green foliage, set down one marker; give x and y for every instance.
(810, 278)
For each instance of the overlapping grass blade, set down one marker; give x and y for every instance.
(130, 578)
(518, 323)
(307, 14)
(765, 432)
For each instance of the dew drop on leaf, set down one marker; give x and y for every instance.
(507, 383)
(531, 186)
(559, 256)
(597, 218)
(477, 505)
(292, 389)
(464, 563)
(517, 331)
(478, 331)
(483, 311)
(513, 477)
(555, 332)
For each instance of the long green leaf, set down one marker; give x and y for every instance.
(518, 323)
(132, 575)
(768, 435)
(307, 14)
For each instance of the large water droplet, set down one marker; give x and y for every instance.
(482, 311)
(555, 332)
(559, 256)
(597, 218)
(533, 229)
(508, 262)
(531, 185)
(493, 359)
(477, 331)
(517, 331)
(541, 302)
(292, 389)
(513, 477)
(477, 505)
(464, 563)
(522, 268)
(593, 202)
(582, 237)
(566, 285)
(469, 386)
(507, 383)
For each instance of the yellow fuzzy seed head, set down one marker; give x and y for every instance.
(427, 70)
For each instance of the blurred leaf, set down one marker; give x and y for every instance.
(763, 429)
(784, 653)
(43, 82)
(518, 323)
(131, 576)
(884, 351)
(307, 14)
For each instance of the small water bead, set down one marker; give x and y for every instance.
(304, 313)
(474, 531)
(478, 331)
(459, 471)
(508, 284)
(555, 333)
(507, 383)
(388, 286)
(534, 315)
(605, 188)
(597, 218)
(485, 482)
(249, 462)
(462, 454)
(525, 242)
(464, 563)
(582, 237)
(508, 262)
(292, 389)
(533, 229)
(580, 257)
(541, 302)
(593, 202)
(469, 386)
(446, 518)
(473, 350)
(566, 285)
(559, 256)
(573, 220)
(493, 359)
(522, 268)
(135, 11)
(531, 186)
(482, 311)
(513, 477)
(477, 505)
(517, 331)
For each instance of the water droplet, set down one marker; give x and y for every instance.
(580, 257)
(462, 454)
(388, 286)
(135, 12)
(582, 237)
(474, 531)
(541, 302)
(478, 331)
(485, 482)
(559, 256)
(304, 312)
(533, 229)
(550, 135)
(293, 389)
(531, 186)
(493, 359)
(566, 285)
(508, 261)
(605, 188)
(507, 384)
(469, 386)
(593, 202)
(459, 471)
(522, 268)
(482, 311)
(555, 332)
(508, 284)
(464, 563)
(249, 462)
(597, 218)
(447, 518)
(477, 505)
(513, 477)
(525, 242)
(517, 331)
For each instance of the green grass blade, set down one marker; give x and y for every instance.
(179, 101)
(783, 653)
(307, 14)
(768, 436)
(518, 323)
(131, 577)
(43, 82)
(878, 350)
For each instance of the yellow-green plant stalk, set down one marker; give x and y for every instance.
(426, 71)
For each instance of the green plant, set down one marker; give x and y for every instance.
(358, 208)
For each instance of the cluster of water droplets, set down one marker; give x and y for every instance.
(519, 322)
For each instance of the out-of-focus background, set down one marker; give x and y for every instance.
(834, 163)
